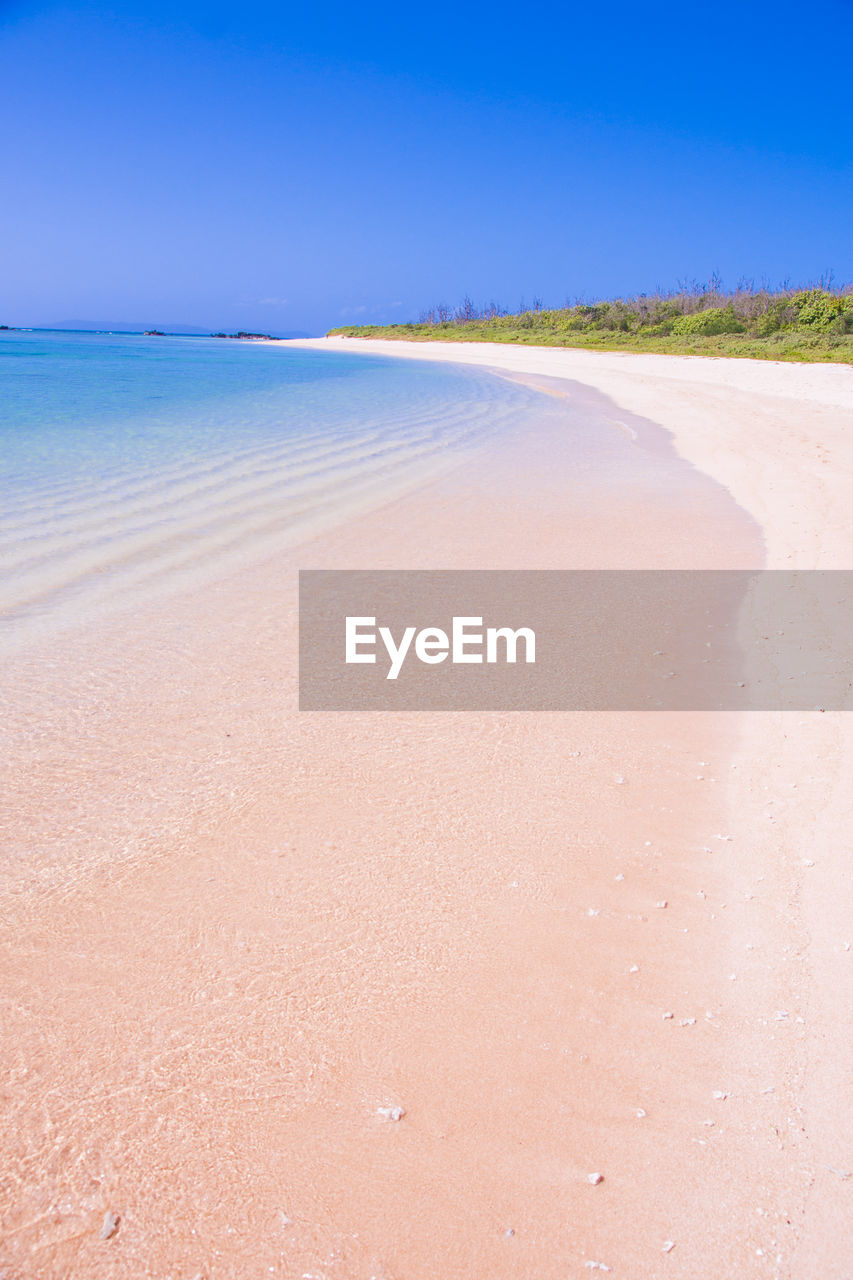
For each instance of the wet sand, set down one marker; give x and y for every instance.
(238, 937)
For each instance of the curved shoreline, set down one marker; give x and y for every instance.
(779, 437)
(794, 454)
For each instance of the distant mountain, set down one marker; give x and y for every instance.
(138, 326)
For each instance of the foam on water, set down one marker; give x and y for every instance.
(133, 465)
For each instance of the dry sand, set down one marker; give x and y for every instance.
(236, 936)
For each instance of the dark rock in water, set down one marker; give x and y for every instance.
(154, 333)
(266, 337)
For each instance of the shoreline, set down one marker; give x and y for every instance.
(667, 390)
(779, 438)
(300, 920)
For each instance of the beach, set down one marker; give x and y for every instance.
(423, 995)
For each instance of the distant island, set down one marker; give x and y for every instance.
(145, 328)
(267, 337)
(784, 323)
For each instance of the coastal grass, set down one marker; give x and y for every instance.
(807, 325)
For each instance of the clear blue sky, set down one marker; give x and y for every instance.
(268, 165)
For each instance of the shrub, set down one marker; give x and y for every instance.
(770, 322)
(817, 309)
(712, 320)
(777, 316)
(813, 323)
(662, 330)
(844, 324)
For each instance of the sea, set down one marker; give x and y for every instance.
(132, 465)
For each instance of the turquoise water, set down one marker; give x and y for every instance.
(132, 464)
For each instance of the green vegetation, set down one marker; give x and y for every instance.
(810, 324)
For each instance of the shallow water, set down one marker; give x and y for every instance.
(132, 465)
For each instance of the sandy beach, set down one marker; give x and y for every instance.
(395, 996)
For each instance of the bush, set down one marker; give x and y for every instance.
(662, 330)
(811, 323)
(712, 320)
(770, 322)
(817, 309)
(777, 315)
(844, 323)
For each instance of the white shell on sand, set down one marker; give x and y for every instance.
(109, 1226)
(390, 1113)
(595, 1178)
